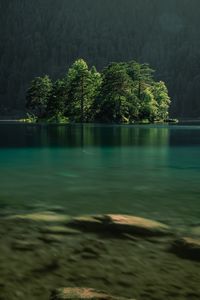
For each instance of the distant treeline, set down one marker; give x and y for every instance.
(44, 36)
(124, 92)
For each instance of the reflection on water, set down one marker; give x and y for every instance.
(151, 171)
(82, 135)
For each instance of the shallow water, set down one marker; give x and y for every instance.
(151, 171)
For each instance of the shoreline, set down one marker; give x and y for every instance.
(16, 121)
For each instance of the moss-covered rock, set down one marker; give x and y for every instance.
(52, 238)
(45, 216)
(81, 293)
(23, 245)
(121, 224)
(195, 231)
(60, 230)
(187, 247)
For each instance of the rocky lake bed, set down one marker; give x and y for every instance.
(50, 255)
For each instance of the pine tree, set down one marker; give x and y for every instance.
(57, 100)
(38, 95)
(116, 94)
(141, 74)
(82, 86)
(149, 105)
(160, 93)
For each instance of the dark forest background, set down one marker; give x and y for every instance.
(45, 36)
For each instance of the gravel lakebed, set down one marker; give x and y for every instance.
(121, 255)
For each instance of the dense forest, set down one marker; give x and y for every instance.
(123, 92)
(45, 36)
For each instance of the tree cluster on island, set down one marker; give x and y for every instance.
(123, 92)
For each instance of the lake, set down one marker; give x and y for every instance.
(148, 170)
(49, 174)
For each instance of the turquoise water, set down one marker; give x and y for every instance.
(151, 171)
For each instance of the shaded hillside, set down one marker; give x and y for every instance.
(45, 36)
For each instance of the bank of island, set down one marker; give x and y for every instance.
(124, 92)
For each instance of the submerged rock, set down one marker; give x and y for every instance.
(121, 224)
(61, 230)
(23, 245)
(52, 238)
(187, 248)
(45, 216)
(81, 293)
(196, 231)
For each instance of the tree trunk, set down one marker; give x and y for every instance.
(82, 101)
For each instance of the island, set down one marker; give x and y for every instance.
(124, 92)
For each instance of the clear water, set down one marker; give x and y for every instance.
(151, 171)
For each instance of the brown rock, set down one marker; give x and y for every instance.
(121, 223)
(81, 293)
(187, 248)
(137, 225)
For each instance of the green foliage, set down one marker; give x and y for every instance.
(82, 88)
(114, 102)
(57, 99)
(31, 118)
(149, 105)
(122, 93)
(160, 93)
(59, 118)
(38, 95)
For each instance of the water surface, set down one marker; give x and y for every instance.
(151, 171)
